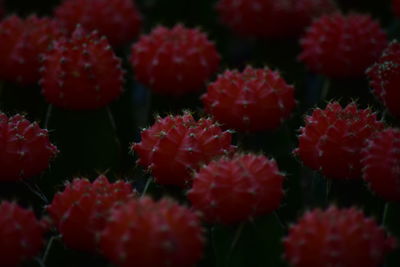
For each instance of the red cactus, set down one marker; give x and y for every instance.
(381, 164)
(145, 233)
(81, 73)
(21, 234)
(336, 237)
(119, 20)
(23, 41)
(342, 46)
(332, 139)
(270, 18)
(25, 148)
(175, 146)
(385, 78)
(253, 100)
(80, 212)
(233, 190)
(174, 61)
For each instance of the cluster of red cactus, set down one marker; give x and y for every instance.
(23, 43)
(271, 19)
(214, 166)
(80, 212)
(175, 146)
(119, 20)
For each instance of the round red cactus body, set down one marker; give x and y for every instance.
(80, 212)
(81, 73)
(175, 146)
(384, 78)
(145, 233)
(119, 20)
(22, 43)
(332, 139)
(336, 237)
(21, 234)
(174, 61)
(234, 190)
(270, 18)
(381, 164)
(25, 148)
(252, 100)
(341, 46)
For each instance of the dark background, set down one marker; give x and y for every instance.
(98, 141)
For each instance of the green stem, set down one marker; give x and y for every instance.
(236, 238)
(328, 188)
(325, 89)
(48, 115)
(146, 187)
(384, 114)
(321, 188)
(279, 220)
(288, 134)
(114, 126)
(48, 247)
(111, 118)
(385, 214)
(36, 191)
(40, 262)
(241, 139)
